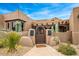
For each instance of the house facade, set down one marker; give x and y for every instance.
(66, 30)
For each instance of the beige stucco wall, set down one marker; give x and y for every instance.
(1, 22)
(63, 36)
(24, 33)
(27, 25)
(48, 37)
(74, 25)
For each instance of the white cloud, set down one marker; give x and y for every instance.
(46, 12)
(66, 12)
(4, 11)
(42, 14)
(71, 7)
(63, 13)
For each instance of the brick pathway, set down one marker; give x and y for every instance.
(43, 51)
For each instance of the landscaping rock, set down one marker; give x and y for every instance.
(26, 41)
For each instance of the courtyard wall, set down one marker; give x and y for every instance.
(74, 25)
(64, 36)
(24, 33)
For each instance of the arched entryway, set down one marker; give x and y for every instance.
(40, 36)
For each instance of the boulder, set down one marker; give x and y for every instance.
(26, 41)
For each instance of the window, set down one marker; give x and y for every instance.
(49, 32)
(31, 33)
(13, 27)
(22, 25)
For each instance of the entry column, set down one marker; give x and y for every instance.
(48, 35)
(31, 34)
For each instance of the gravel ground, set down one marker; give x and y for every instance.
(20, 51)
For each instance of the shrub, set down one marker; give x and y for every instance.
(1, 43)
(66, 49)
(13, 39)
(5, 43)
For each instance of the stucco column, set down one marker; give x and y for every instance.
(48, 35)
(31, 34)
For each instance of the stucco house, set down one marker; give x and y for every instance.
(67, 30)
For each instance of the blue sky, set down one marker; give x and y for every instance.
(39, 11)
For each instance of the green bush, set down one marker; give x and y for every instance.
(66, 49)
(5, 43)
(13, 39)
(1, 43)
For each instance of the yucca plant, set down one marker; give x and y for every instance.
(13, 39)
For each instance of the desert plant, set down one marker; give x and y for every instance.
(1, 43)
(66, 49)
(5, 43)
(13, 39)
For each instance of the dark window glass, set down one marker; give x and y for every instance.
(12, 25)
(49, 32)
(8, 25)
(31, 33)
(22, 25)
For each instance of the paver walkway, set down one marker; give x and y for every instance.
(43, 51)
